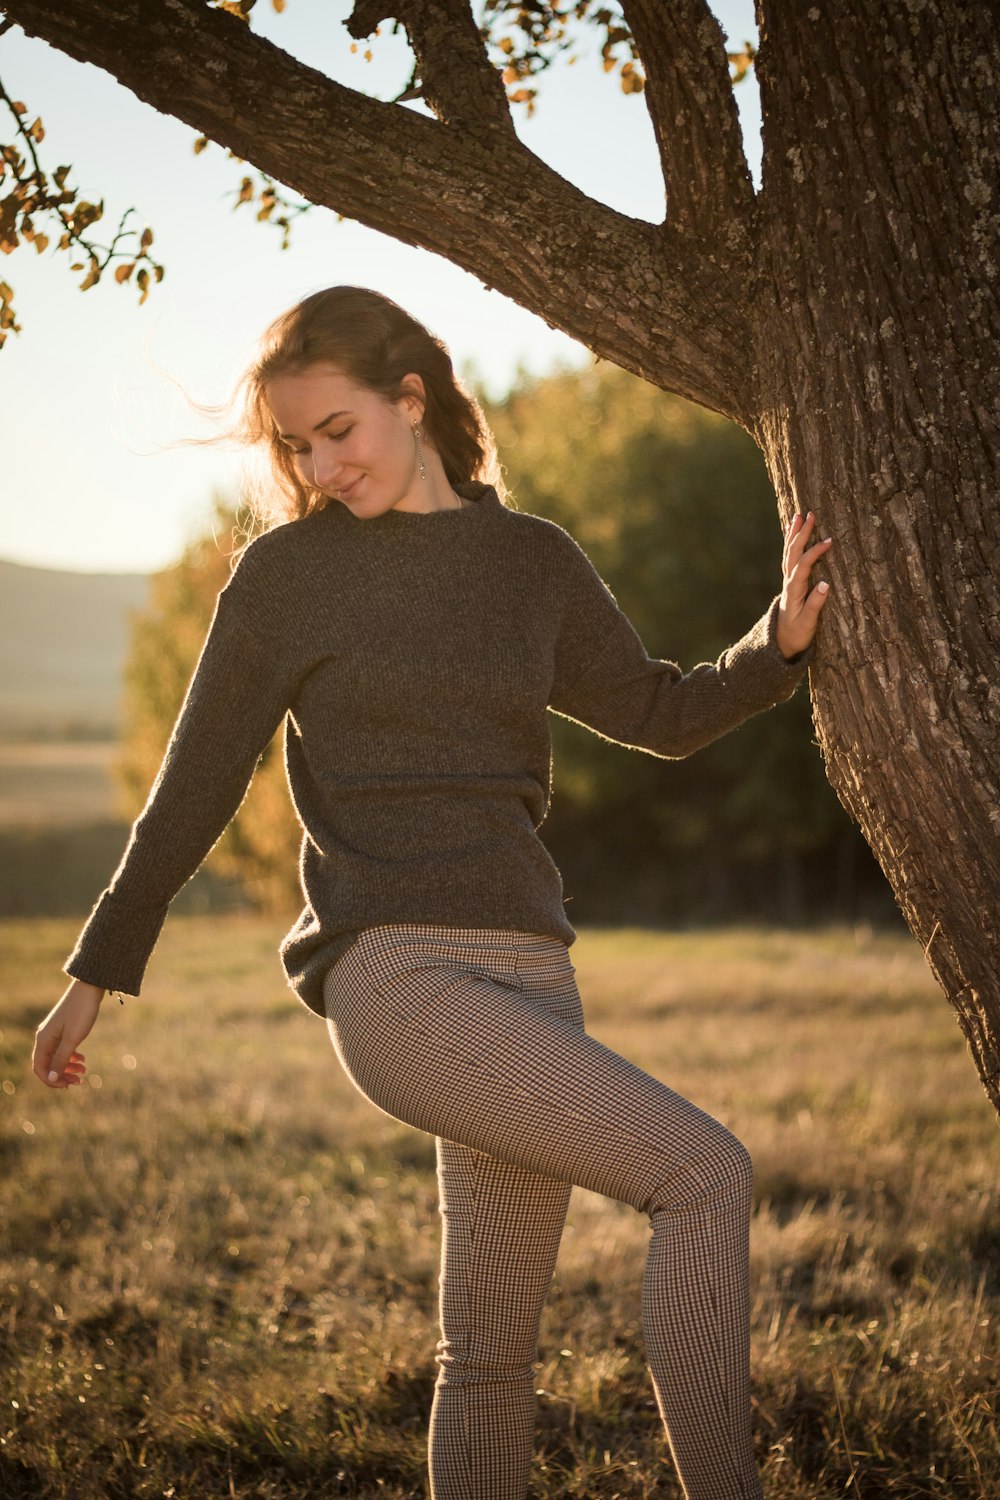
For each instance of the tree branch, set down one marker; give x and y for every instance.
(639, 294)
(690, 100)
(457, 79)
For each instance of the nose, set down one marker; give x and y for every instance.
(326, 470)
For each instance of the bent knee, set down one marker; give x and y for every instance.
(458, 1367)
(735, 1165)
(719, 1170)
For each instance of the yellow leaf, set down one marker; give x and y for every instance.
(19, 108)
(124, 272)
(41, 242)
(146, 239)
(37, 131)
(200, 144)
(279, 5)
(6, 292)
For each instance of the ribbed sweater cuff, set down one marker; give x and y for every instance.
(101, 957)
(776, 675)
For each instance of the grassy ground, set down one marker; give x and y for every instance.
(57, 783)
(217, 1262)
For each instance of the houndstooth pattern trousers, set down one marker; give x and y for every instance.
(476, 1036)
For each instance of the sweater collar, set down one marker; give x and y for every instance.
(436, 523)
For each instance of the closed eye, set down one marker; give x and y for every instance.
(334, 437)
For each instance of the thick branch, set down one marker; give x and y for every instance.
(635, 293)
(458, 81)
(690, 100)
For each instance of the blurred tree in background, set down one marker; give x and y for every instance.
(673, 505)
(257, 857)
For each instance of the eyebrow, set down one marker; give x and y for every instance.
(319, 425)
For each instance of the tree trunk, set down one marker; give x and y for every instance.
(847, 316)
(877, 315)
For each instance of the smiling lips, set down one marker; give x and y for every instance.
(345, 490)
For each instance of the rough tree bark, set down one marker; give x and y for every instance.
(847, 315)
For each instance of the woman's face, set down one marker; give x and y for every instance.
(348, 441)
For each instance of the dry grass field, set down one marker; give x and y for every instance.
(58, 783)
(217, 1261)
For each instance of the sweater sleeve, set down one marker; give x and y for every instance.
(235, 702)
(605, 679)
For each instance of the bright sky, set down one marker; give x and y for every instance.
(89, 479)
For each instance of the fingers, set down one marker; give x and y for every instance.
(800, 603)
(41, 1057)
(798, 577)
(798, 559)
(794, 528)
(72, 1073)
(817, 597)
(73, 1070)
(56, 1058)
(55, 1061)
(797, 536)
(63, 1073)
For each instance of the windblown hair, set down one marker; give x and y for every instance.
(373, 341)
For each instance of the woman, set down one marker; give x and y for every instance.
(411, 631)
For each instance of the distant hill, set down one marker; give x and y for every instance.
(63, 639)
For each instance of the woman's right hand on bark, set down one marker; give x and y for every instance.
(55, 1059)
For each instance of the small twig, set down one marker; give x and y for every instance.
(31, 194)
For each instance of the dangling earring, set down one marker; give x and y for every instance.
(418, 443)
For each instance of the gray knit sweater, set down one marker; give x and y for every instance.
(412, 658)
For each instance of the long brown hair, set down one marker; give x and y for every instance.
(375, 343)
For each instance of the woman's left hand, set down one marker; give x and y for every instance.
(798, 613)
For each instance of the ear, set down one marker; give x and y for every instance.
(412, 397)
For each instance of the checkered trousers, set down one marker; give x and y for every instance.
(476, 1036)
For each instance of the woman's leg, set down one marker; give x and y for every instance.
(501, 1231)
(449, 1031)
